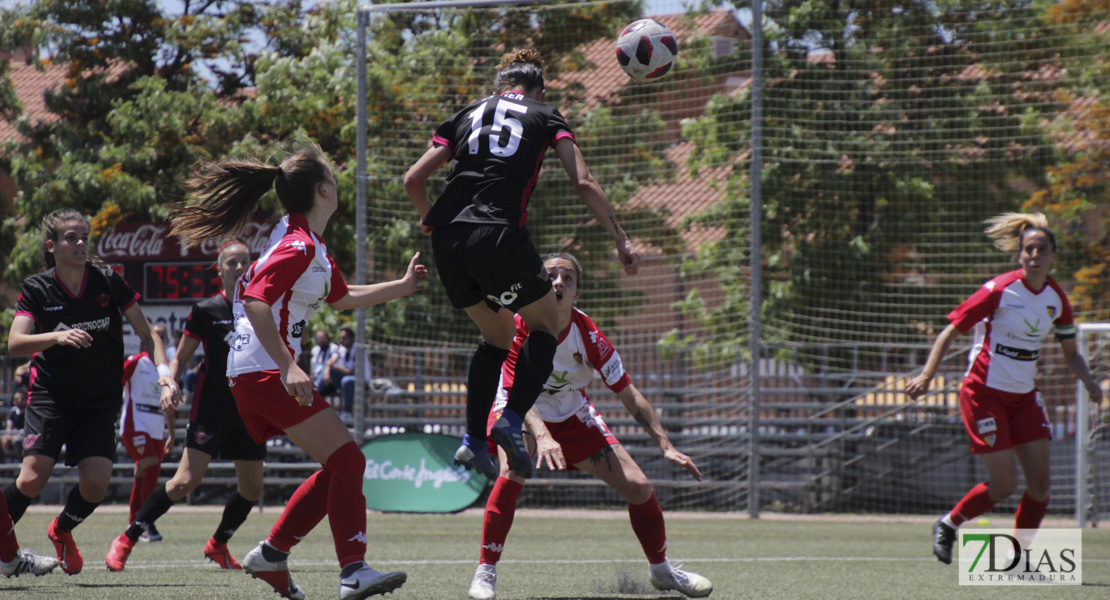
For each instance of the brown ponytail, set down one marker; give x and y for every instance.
(227, 193)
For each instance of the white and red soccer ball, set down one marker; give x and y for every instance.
(647, 49)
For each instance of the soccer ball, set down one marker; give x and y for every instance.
(646, 49)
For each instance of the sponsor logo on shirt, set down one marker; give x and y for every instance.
(1016, 353)
(318, 269)
(241, 341)
(987, 425)
(298, 329)
(612, 369)
(1032, 329)
(53, 308)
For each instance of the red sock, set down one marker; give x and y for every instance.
(143, 487)
(305, 510)
(9, 546)
(647, 523)
(1030, 513)
(346, 503)
(500, 510)
(976, 502)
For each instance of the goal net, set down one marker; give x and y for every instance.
(888, 136)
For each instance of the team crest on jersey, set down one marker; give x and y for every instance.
(578, 357)
(1051, 311)
(30, 440)
(990, 439)
(104, 299)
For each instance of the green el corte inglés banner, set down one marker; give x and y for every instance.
(415, 472)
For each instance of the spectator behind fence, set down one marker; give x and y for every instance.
(22, 375)
(13, 426)
(323, 353)
(160, 331)
(341, 367)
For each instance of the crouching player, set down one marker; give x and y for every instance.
(568, 429)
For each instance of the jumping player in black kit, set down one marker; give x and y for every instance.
(70, 318)
(483, 252)
(215, 427)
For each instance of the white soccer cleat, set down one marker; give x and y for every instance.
(481, 587)
(689, 583)
(274, 573)
(367, 582)
(26, 561)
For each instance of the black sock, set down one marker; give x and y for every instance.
(533, 367)
(481, 386)
(154, 507)
(17, 502)
(273, 554)
(351, 568)
(77, 509)
(235, 512)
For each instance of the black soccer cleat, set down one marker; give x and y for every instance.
(943, 539)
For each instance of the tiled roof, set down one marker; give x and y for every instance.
(31, 84)
(686, 196)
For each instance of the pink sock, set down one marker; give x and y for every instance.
(500, 510)
(9, 546)
(1030, 513)
(306, 508)
(647, 523)
(346, 503)
(976, 502)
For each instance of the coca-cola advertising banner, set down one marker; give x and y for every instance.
(142, 242)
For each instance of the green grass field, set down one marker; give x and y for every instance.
(577, 554)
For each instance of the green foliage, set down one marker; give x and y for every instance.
(872, 152)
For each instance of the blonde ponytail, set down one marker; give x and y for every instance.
(1007, 229)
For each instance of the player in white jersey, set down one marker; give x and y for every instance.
(141, 427)
(273, 299)
(570, 433)
(1002, 409)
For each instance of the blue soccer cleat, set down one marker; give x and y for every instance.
(508, 433)
(474, 454)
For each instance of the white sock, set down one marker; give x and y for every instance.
(947, 520)
(661, 570)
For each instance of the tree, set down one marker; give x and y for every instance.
(891, 130)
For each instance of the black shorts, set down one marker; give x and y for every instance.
(494, 263)
(86, 428)
(217, 430)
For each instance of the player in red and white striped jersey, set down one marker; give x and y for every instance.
(570, 433)
(1002, 409)
(142, 425)
(273, 300)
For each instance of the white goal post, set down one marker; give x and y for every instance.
(1087, 425)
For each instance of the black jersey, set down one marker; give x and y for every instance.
(213, 324)
(65, 373)
(498, 146)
